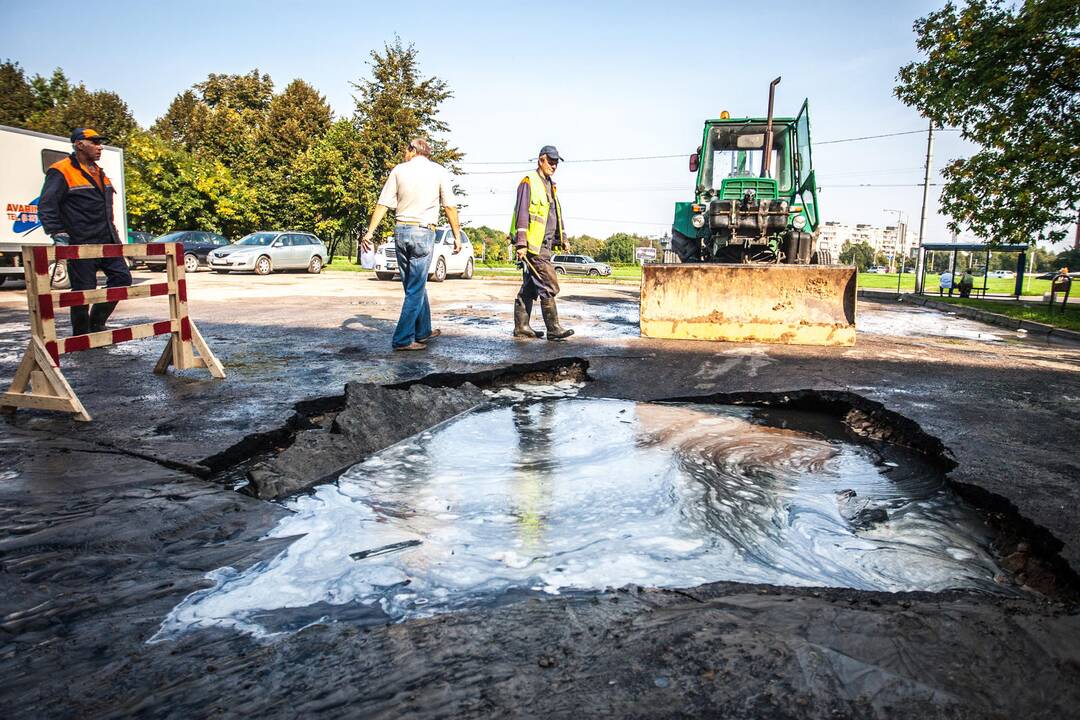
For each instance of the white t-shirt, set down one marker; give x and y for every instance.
(946, 279)
(416, 189)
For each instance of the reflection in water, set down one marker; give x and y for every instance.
(583, 494)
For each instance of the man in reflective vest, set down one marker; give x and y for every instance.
(536, 230)
(76, 208)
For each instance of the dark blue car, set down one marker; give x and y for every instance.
(197, 245)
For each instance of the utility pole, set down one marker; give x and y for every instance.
(901, 232)
(919, 269)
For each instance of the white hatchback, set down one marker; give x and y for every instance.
(443, 260)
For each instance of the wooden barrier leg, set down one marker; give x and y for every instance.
(206, 357)
(49, 388)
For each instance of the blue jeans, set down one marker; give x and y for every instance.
(414, 245)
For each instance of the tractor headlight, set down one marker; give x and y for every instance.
(698, 221)
(799, 222)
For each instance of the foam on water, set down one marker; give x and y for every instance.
(562, 494)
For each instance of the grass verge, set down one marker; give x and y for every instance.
(1069, 318)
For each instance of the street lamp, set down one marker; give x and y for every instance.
(901, 236)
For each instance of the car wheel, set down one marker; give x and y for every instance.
(263, 265)
(222, 272)
(58, 275)
(440, 271)
(559, 270)
(315, 266)
(384, 276)
(594, 272)
(467, 275)
(191, 263)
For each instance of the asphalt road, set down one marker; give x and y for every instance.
(102, 531)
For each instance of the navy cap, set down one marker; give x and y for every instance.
(551, 152)
(86, 134)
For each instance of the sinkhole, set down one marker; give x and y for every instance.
(551, 495)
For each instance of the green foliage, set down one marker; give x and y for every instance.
(587, 245)
(858, 254)
(1067, 259)
(1008, 75)
(494, 244)
(169, 188)
(100, 109)
(396, 105)
(16, 95)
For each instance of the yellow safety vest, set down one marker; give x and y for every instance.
(539, 207)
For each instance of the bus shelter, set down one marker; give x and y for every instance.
(956, 248)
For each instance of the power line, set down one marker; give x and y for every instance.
(669, 157)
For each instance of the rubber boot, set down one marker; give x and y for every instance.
(522, 311)
(80, 319)
(551, 319)
(99, 313)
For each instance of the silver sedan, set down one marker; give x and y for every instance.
(265, 252)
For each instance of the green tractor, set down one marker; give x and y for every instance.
(750, 270)
(755, 200)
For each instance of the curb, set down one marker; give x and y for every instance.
(1031, 327)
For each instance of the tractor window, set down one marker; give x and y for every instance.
(736, 151)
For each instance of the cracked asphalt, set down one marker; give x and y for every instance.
(104, 527)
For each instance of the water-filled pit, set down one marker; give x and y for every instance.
(565, 494)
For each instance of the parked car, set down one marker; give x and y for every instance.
(579, 265)
(265, 252)
(1053, 274)
(878, 270)
(197, 246)
(443, 260)
(138, 236)
(1001, 274)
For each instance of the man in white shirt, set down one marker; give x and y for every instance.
(415, 190)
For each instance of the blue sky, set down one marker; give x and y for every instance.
(598, 80)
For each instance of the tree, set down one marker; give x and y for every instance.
(1008, 76)
(16, 95)
(1068, 259)
(169, 188)
(859, 254)
(587, 245)
(332, 187)
(396, 105)
(102, 110)
(619, 249)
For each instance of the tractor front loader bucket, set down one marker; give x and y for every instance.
(787, 304)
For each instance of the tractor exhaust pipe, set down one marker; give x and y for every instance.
(766, 163)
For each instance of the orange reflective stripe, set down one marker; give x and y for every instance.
(75, 178)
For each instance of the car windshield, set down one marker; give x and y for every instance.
(170, 237)
(262, 239)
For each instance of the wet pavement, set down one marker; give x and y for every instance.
(106, 528)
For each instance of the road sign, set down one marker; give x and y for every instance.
(645, 253)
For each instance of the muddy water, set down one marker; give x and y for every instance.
(565, 494)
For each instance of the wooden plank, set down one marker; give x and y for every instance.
(206, 356)
(163, 363)
(106, 337)
(94, 296)
(22, 374)
(90, 252)
(57, 380)
(39, 402)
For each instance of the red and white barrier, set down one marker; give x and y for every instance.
(38, 381)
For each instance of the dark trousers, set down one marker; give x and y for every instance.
(83, 275)
(538, 279)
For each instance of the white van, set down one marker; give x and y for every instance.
(443, 260)
(26, 156)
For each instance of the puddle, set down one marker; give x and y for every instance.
(555, 495)
(919, 322)
(614, 319)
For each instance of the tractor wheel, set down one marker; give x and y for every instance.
(821, 257)
(687, 248)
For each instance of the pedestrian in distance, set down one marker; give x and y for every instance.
(76, 208)
(536, 230)
(945, 283)
(967, 282)
(414, 191)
